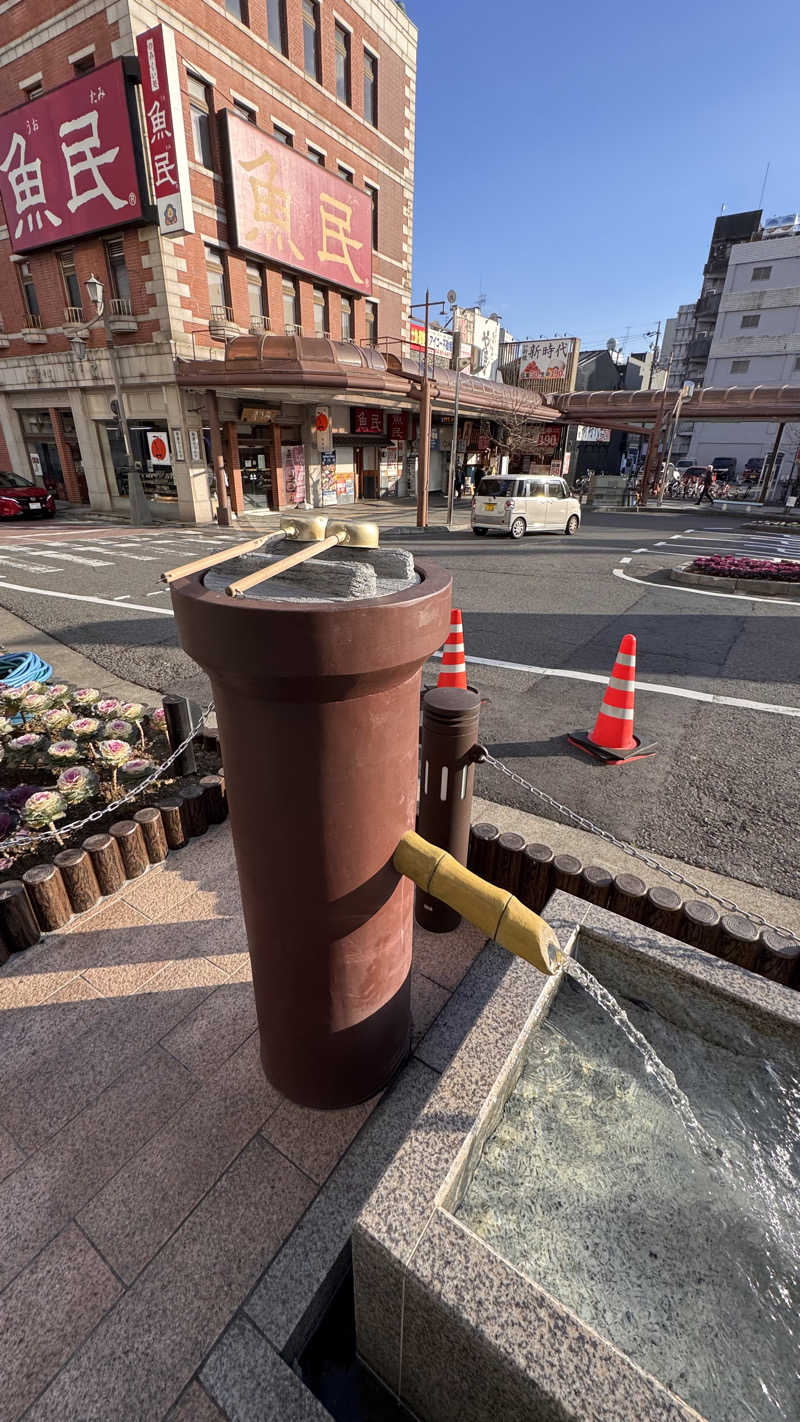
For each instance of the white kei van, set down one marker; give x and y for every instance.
(520, 504)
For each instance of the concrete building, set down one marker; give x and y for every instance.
(756, 341)
(288, 215)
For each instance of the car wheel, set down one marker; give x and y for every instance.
(479, 532)
(573, 524)
(517, 529)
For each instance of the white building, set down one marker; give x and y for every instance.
(756, 341)
(484, 334)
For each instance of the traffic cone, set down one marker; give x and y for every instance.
(612, 740)
(454, 668)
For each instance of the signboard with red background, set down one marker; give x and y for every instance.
(398, 424)
(291, 210)
(367, 422)
(69, 162)
(166, 139)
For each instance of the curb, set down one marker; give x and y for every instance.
(754, 587)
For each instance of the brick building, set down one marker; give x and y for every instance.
(285, 105)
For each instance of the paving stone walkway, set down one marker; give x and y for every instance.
(166, 1217)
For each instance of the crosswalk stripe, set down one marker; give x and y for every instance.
(69, 558)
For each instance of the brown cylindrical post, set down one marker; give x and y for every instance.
(663, 910)
(172, 817)
(18, 926)
(700, 925)
(483, 839)
(130, 840)
(508, 860)
(193, 806)
(628, 896)
(738, 940)
(153, 830)
(318, 713)
(779, 958)
(79, 878)
(566, 874)
(178, 715)
(534, 876)
(213, 788)
(48, 895)
(450, 717)
(106, 861)
(595, 884)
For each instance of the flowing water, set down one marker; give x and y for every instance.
(671, 1228)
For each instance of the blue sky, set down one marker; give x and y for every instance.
(572, 157)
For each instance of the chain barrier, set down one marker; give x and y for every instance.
(29, 840)
(485, 758)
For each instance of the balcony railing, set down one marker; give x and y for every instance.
(120, 314)
(222, 314)
(73, 316)
(33, 323)
(221, 326)
(292, 330)
(120, 306)
(4, 341)
(260, 325)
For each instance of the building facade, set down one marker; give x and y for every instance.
(756, 341)
(294, 222)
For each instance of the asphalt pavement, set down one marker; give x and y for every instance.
(544, 617)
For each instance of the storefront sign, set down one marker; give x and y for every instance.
(593, 434)
(440, 342)
(545, 438)
(329, 480)
(295, 212)
(398, 424)
(166, 139)
(547, 360)
(194, 446)
(36, 465)
(68, 161)
(367, 421)
(257, 415)
(158, 447)
(323, 430)
(177, 443)
(294, 473)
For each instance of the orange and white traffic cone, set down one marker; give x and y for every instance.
(454, 668)
(612, 739)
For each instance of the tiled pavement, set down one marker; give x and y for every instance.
(165, 1216)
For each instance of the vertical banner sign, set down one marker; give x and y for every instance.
(157, 447)
(166, 139)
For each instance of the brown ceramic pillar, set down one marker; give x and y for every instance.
(318, 713)
(230, 440)
(447, 772)
(278, 489)
(218, 459)
(71, 485)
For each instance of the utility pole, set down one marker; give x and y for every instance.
(451, 479)
(139, 507)
(424, 437)
(769, 469)
(656, 351)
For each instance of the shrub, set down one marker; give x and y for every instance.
(783, 571)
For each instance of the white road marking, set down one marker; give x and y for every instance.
(69, 557)
(117, 551)
(122, 597)
(705, 592)
(159, 592)
(659, 687)
(624, 560)
(81, 597)
(641, 550)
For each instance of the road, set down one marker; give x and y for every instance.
(545, 617)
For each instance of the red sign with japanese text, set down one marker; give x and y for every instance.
(367, 421)
(398, 424)
(293, 211)
(68, 161)
(166, 139)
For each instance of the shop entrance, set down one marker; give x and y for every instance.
(255, 462)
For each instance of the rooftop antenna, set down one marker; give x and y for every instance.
(763, 187)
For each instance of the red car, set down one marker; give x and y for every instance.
(20, 498)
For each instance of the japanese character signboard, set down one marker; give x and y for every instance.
(553, 359)
(593, 434)
(367, 422)
(166, 139)
(398, 424)
(69, 163)
(293, 211)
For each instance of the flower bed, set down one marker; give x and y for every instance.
(67, 752)
(755, 569)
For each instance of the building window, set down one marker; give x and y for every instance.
(276, 24)
(283, 135)
(29, 296)
(797, 362)
(370, 88)
(372, 193)
(347, 318)
(117, 270)
(316, 155)
(256, 295)
(320, 311)
(341, 46)
(238, 8)
(749, 322)
(69, 276)
(345, 173)
(84, 65)
(244, 111)
(217, 283)
(291, 306)
(739, 367)
(311, 39)
(761, 274)
(33, 92)
(199, 108)
(371, 322)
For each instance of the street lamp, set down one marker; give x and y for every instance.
(140, 509)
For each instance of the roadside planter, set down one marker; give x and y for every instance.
(760, 577)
